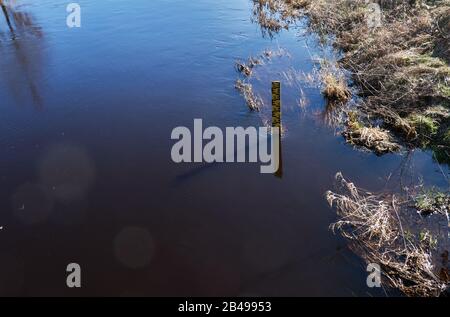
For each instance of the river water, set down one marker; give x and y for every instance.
(86, 174)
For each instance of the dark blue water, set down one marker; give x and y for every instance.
(86, 174)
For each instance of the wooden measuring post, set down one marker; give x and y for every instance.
(276, 120)
(276, 104)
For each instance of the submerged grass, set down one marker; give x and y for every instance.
(246, 69)
(253, 102)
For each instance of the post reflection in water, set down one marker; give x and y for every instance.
(8, 20)
(25, 41)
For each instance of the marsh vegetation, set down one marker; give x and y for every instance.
(392, 84)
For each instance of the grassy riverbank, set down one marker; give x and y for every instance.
(401, 68)
(399, 63)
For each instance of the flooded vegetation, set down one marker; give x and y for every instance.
(244, 86)
(400, 66)
(384, 229)
(400, 73)
(87, 178)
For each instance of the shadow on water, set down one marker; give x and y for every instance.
(190, 174)
(25, 41)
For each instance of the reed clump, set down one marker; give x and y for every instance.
(335, 88)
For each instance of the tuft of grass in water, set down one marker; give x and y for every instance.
(373, 138)
(335, 88)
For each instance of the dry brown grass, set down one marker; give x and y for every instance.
(373, 224)
(399, 68)
(374, 138)
(335, 88)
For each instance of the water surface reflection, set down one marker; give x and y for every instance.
(94, 163)
(24, 39)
